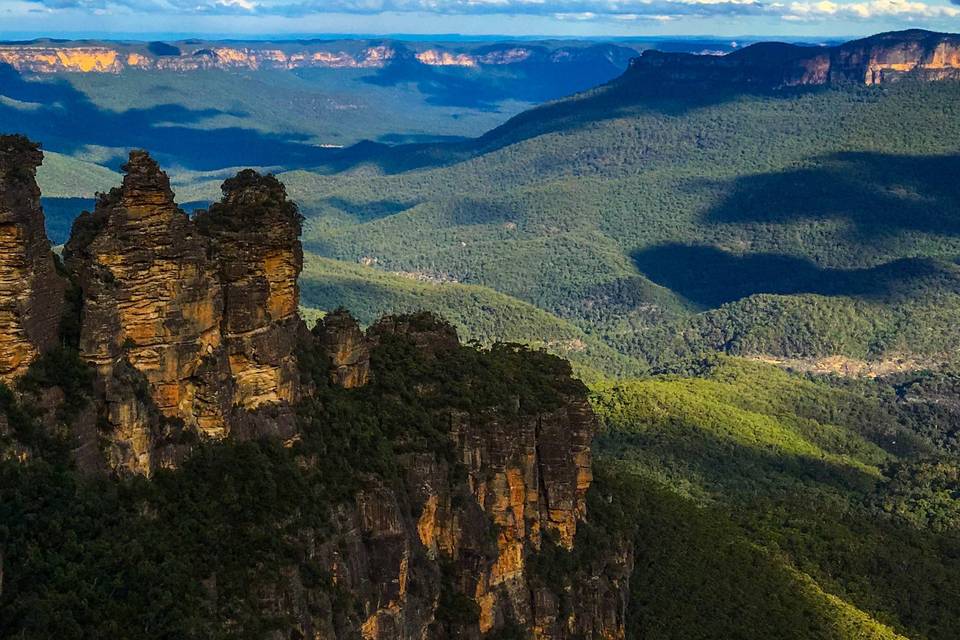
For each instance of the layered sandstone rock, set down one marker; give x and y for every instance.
(191, 327)
(517, 485)
(152, 308)
(342, 340)
(254, 237)
(31, 290)
(189, 56)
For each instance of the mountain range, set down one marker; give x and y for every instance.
(707, 384)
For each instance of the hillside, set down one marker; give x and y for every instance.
(478, 313)
(767, 505)
(744, 218)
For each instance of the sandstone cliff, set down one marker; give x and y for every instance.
(188, 56)
(481, 525)
(204, 319)
(879, 59)
(31, 291)
(254, 238)
(443, 490)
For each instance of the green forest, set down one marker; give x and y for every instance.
(766, 504)
(746, 223)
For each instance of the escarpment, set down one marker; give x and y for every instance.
(31, 290)
(417, 488)
(475, 520)
(884, 58)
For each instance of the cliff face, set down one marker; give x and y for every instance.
(883, 58)
(254, 236)
(479, 526)
(347, 348)
(460, 477)
(31, 291)
(203, 318)
(152, 307)
(81, 57)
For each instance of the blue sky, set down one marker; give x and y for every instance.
(805, 18)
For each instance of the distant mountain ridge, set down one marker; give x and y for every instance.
(49, 56)
(879, 59)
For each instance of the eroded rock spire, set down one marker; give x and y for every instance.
(31, 290)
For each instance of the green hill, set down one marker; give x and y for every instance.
(62, 176)
(766, 505)
(625, 212)
(479, 313)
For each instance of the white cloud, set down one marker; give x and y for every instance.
(867, 10)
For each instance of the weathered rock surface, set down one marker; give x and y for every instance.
(347, 347)
(254, 235)
(884, 58)
(31, 290)
(517, 486)
(200, 316)
(152, 307)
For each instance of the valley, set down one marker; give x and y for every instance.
(535, 340)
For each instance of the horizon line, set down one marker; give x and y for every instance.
(147, 36)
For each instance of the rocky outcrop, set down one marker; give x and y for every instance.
(347, 348)
(478, 478)
(152, 309)
(31, 290)
(254, 238)
(476, 524)
(880, 59)
(191, 327)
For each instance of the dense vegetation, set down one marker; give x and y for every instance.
(631, 215)
(780, 506)
(656, 225)
(197, 552)
(479, 313)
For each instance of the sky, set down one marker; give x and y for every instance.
(224, 18)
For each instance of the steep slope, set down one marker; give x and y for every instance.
(781, 506)
(31, 289)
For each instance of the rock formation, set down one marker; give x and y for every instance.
(254, 237)
(152, 307)
(191, 330)
(879, 59)
(346, 346)
(523, 490)
(31, 290)
(201, 316)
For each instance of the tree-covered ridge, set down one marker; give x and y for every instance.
(785, 506)
(623, 211)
